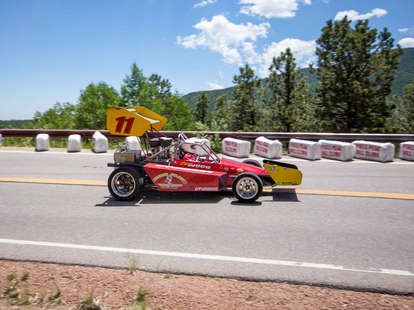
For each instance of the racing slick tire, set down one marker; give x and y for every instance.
(252, 162)
(247, 187)
(123, 183)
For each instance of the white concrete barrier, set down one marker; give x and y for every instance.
(377, 151)
(1, 139)
(42, 142)
(189, 147)
(337, 150)
(305, 149)
(100, 142)
(268, 148)
(133, 144)
(199, 141)
(74, 143)
(235, 147)
(407, 150)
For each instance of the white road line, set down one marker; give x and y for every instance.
(208, 257)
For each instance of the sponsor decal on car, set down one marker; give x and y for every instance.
(192, 165)
(169, 178)
(206, 189)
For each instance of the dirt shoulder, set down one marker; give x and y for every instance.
(64, 287)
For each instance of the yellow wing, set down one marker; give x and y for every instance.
(133, 121)
(282, 173)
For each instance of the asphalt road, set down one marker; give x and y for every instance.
(354, 242)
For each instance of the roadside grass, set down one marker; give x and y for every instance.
(23, 297)
(139, 301)
(132, 265)
(17, 296)
(90, 302)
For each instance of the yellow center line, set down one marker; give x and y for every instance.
(280, 190)
(343, 193)
(356, 194)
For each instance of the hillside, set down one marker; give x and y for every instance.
(403, 76)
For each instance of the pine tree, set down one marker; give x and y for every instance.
(201, 108)
(134, 91)
(289, 103)
(409, 105)
(244, 108)
(397, 122)
(221, 120)
(355, 69)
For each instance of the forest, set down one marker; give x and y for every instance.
(349, 89)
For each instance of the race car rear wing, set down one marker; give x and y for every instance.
(133, 121)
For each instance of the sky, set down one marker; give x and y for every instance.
(52, 49)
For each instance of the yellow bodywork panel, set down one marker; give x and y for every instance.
(133, 121)
(283, 174)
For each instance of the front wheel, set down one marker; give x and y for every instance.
(123, 184)
(247, 187)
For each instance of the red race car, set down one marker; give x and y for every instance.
(183, 164)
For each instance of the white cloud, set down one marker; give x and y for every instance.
(354, 15)
(220, 75)
(213, 85)
(406, 42)
(303, 51)
(409, 31)
(271, 8)
(232, 41)
(203, 3)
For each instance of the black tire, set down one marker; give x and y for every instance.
(247, 187)
(123, 184)
(252, 162)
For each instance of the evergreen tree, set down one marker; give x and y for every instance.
(134, 91)
(397, 122)
(221, 120)
(355, 69)
(201, 108)
(93, 104)
(244, 112)
(162, 87)
(289, 103)
(409, 106)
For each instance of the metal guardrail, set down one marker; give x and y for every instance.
(282, 136)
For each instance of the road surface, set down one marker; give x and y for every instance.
(320, 238)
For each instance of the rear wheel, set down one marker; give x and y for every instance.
(247, 187)
(123, 184)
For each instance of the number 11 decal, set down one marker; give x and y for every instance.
(121, 120)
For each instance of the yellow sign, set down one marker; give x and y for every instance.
(133, 121)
